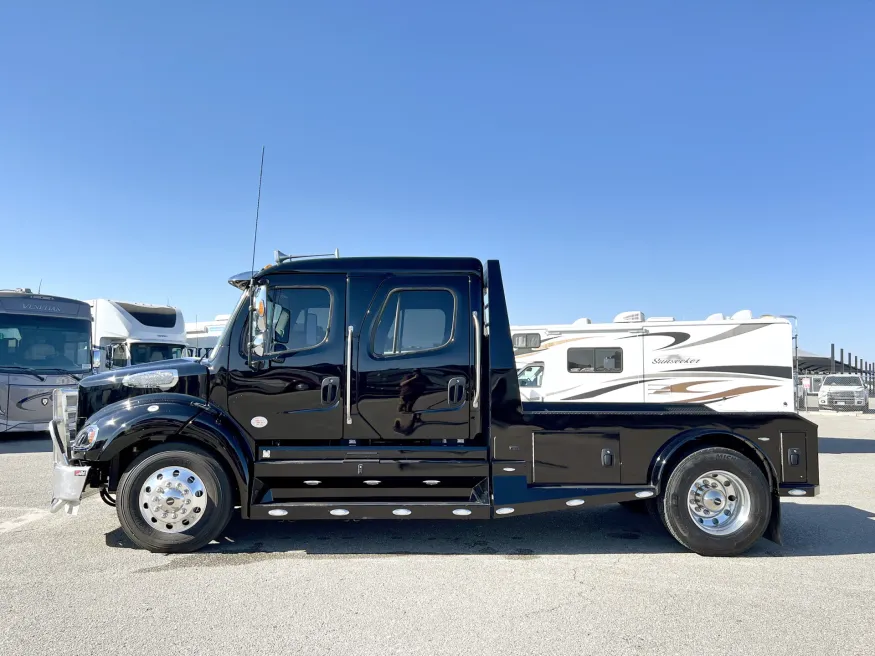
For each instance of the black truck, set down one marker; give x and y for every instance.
(385, 388)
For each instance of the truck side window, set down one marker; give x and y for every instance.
(299, 317)
(413, 321)
(595, 360)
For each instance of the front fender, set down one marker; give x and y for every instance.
(148, 417)
(665, 455)
(162, 417)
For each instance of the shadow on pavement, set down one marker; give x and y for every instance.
(25, 443)
(846, 445)
(809, 530)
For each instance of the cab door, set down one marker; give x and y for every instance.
(414, 377)
(293, 389)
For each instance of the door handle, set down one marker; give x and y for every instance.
(330, 387)
(456, 391)
(607, 458)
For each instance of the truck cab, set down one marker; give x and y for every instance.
(365, 388)
(128, 334)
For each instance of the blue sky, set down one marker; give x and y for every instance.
(677, 158)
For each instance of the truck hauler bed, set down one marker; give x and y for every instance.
(365, 388)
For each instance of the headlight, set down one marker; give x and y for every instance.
(163, 379)
(85, 438)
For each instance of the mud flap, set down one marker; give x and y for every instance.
(773, 530)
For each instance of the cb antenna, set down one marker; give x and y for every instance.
(257, 210)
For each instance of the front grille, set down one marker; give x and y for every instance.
(840, 396)
(64, 404)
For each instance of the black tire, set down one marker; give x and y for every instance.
(675, 513)
(219, 504)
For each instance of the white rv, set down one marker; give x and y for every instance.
(201, 336)
(732, 364)
(134, 333)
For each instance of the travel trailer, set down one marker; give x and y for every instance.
(135, 333)
(731, 364)
(201, 336)
(45, 344)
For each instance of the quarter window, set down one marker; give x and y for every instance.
(595, 360)
(414, 321)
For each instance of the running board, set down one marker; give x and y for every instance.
(347, 511)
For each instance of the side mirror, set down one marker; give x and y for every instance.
(258, 324)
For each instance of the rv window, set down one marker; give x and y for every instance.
(526, 340)
(595, 360)
(414, 321)
(299, 317)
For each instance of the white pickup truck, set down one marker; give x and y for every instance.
(843, 392)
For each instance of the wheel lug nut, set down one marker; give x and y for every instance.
(164, 515)
(727, 513)
(715, 521)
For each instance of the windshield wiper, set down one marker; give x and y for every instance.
(58, 370)
(27, 370)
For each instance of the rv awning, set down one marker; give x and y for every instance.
(811, 363)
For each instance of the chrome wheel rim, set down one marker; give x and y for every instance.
(173, 499)
(719, 502)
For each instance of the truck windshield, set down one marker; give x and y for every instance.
(851, 381)
(45, 343)
(141, 353)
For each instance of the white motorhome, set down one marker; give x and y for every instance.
(134, 333)
(732, 364)
(201, 336)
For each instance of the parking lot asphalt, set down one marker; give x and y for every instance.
(599, 581)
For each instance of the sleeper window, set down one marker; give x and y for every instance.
(595, 360)
(414, 321)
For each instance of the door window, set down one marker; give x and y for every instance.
(299, 317)
(414, 321)
(531, 376)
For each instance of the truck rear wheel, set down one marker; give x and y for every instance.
(174, 498)
(716, 502)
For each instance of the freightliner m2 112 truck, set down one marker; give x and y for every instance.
(386, 388)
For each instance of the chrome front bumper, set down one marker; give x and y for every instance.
(68, 482)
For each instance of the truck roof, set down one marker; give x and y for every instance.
(378, 264)
(469, 265)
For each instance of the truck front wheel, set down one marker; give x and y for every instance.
(174, 498)
(716, 502)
